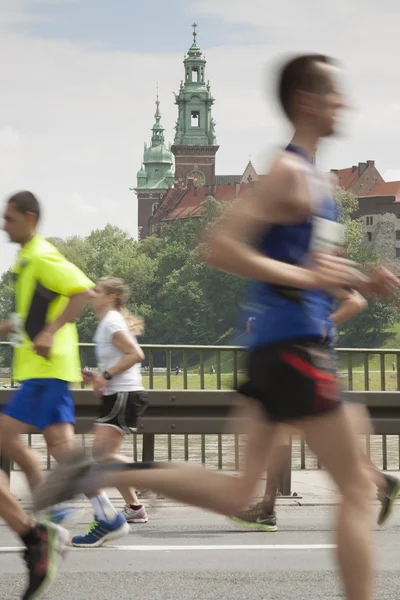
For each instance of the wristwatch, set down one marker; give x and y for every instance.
(107, 376)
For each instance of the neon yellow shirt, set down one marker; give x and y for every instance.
(44, 282)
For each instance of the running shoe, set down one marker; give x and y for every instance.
(43, 557)
(102, 531)
(387, 498)
(135, 516)
(256, 518)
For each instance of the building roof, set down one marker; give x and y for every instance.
(388, 188)
(188, 202)
(347, 177)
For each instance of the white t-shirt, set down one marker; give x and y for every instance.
(108, 355)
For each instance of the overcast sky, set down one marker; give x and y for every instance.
(78, 81)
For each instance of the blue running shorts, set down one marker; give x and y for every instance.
(41, 403)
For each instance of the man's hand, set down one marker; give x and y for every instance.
(383, 283)
(43, 343)
(334, 272)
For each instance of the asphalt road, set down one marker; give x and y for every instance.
(185, 554)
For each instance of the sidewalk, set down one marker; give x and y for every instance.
(311, 488)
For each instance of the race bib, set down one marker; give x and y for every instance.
(327, 236)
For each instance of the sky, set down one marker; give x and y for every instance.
(78, 83)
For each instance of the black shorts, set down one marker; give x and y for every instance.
(123, 410)
(293, 380)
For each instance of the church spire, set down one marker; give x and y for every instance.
(158, 114)
(195, 125)
(157, 139)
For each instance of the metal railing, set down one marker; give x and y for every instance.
(361, 370)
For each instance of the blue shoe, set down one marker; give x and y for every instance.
(101, 532)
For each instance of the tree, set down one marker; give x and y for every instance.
(370, 329)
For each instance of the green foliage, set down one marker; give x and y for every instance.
(370, 328)
(182, 300)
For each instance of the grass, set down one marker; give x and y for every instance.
(227, 380)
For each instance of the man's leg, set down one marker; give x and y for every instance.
(261, 516)
(26, 458)
(214, 491)
(45, 544)
(60, 439)
(333, 440)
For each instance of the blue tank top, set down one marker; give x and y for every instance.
(277, 314)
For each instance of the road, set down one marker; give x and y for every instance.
(185, 554)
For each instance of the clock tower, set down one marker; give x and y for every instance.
(195, 144)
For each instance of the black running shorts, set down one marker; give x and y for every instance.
(123, 410)
(293, 380)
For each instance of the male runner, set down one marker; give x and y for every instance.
(50, 293)
(45, 543)
(291, 375)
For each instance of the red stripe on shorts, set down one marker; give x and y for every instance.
(327, 389)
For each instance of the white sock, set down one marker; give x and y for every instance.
(103, 509)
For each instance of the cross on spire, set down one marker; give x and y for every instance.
(194, 25)
(157, 105)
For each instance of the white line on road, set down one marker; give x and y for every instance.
(170, 548)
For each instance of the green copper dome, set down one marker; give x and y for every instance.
(141, 174)
(156, 171)
(157, 154)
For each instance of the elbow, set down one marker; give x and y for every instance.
(139, 356)
(359, 302)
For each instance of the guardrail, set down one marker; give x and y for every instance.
(201, 413)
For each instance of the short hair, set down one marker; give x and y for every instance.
(301, 73)
(26, 202)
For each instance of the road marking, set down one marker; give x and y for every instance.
(171, 548)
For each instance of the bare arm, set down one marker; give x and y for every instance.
(352, 303)
(73, 310)
(133, 353)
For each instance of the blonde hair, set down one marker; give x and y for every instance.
(115, 286)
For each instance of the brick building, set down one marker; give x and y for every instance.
(378, 207)
(165, 194)
(175, 179)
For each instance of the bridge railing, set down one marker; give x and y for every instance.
(188, 416)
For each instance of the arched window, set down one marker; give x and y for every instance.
(154, 207)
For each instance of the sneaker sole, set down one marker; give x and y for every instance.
(112, 535)
(58, 546)
(254, 526)
(393, 498)
(137, 521)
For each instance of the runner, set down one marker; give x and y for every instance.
(45, 543)
(124, 401)
(261, 516)
(50, 293)
(291, 374)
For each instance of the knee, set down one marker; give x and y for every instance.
(58, 446)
